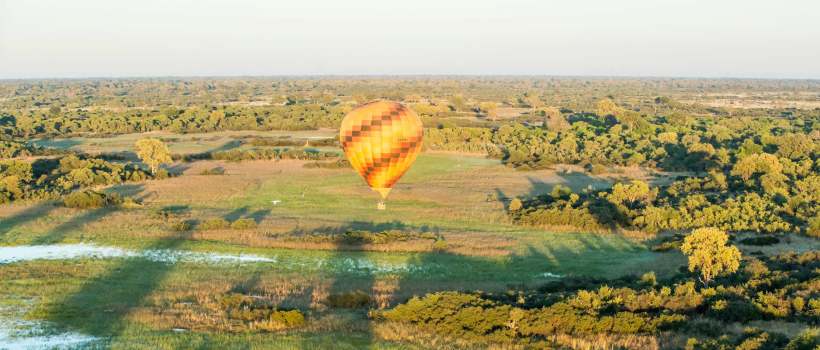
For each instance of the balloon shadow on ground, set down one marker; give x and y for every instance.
(32, 213)
(99, 307)
(58, 233)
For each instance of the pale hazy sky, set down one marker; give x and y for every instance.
(716, 38)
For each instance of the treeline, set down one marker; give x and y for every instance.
(462, 93)
(779, 288)
(48, 178)
(745, 199)
(615, 136)
(263, 153)
(60, 107)
(56, 122)
(747, 174)
(16, 149)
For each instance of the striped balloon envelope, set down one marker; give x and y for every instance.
(381, 140)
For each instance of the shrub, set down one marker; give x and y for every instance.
(755, 268)
(440, 245)
(183, 225)
(213, 171)
(772, 305)
(733, 310)
(287, 319)
(90, 199)
(214, 224)
(814, 227)
(807, 340)
(595, 169)
(666, 246)
(515, 205)
(243, 224)
(258, 314)
(649, 278)
(350, 300)
(337, 164)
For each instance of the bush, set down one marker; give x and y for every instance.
(259, 314)
(287, 319)
(515, 205)
(214, 224)
(183, 225)
(649, 278)
(350, 300)
(338, 164)
(243, 224)
(595, 169)
(814, 227)
(666, 246)
(440, 245)
(90, 199)
(733, 310)
(807, 340)
(213, 171)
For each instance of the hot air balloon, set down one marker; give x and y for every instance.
(381, 140)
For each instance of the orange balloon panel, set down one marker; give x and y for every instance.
(381, 140)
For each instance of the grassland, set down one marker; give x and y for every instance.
(139, 303)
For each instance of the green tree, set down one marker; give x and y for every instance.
(795, 146)
(709, 253)
(153, 152)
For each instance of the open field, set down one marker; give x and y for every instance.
(455, 197)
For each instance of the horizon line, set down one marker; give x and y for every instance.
(403, 75)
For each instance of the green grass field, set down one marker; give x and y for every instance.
(137, 303)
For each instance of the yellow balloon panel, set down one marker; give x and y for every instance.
(381, 140)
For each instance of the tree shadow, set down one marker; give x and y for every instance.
(605, 213)
(369, 226)
(579, 181)
(100, 306)
(177, 169)
(236, 214)
(353, 290)
(248, 285)
(678, 158)
(227, 146)
(56, 143)
(502, 198)
(592, 119)
(259, 215)
(58, 233)
(244, 213)
(24, 216)
(449, 271)
(118, 156)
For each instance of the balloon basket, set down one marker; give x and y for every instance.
(381, 205)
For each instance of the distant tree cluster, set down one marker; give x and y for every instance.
(18, 149)
(47, 178)
(728, 203)
(748, 174)
(677, 142)
(264, 153)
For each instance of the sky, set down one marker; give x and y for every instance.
(654, 38)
